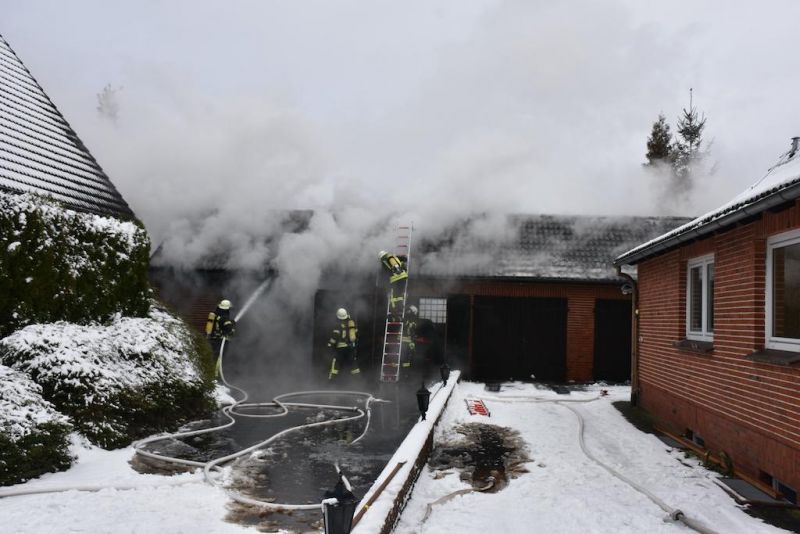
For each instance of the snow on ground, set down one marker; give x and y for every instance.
(191, 508)
(565, 491)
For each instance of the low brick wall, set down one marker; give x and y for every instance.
(412, 455)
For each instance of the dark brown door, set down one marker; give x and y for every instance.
(612, 340)
(519, 338)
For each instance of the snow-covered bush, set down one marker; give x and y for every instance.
(60, 265)
(119, 381)
(33, 435)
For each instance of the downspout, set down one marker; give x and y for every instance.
(634, 336)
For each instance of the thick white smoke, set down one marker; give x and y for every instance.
(431, 112)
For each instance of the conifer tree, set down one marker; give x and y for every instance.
(659, 144)
(690, 137)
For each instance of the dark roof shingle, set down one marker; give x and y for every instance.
(544, 247)
(41, 153)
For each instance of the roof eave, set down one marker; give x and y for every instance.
(611, 280)
(781, 196)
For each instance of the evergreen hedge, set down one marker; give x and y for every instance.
(33, 435)
(60, 265)
(120, 381)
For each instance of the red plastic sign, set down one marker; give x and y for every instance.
(477, 407)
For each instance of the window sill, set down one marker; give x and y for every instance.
(773, 356)
(697, 347)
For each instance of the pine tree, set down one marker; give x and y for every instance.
(690, 137)
(659, 144)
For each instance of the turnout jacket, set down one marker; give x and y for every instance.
(344, 335)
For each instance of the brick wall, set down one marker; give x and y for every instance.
(750, 410)
(580, 315)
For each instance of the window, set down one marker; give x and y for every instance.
(700, 299)
(783, 292)
(433, 309)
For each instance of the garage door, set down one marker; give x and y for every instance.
(515, 338)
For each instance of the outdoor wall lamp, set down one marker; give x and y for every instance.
(338, 509)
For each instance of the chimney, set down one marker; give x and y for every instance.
(795, 146)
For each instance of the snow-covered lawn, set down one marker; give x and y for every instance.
(193, 507)
(563, 491)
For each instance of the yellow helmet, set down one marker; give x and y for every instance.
(382, 253)
(341, 314)
(224, 304)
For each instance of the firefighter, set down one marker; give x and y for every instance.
(397, 273)
(426, 342)
(394, 265)
(409, 336)
(219, 324)
(343, 343)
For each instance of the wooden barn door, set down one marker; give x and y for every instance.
(612, 340)
(515, 338)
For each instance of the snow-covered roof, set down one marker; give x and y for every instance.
(41, 153)
(779, 185)
(542, 247)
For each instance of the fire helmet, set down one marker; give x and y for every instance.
(413, 309)
(382, 253)
(341, 314)
(224, 304)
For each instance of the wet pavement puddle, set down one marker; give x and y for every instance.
(484, 455)
(299, 467)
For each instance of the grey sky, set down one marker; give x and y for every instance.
(430, 107)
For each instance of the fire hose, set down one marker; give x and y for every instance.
(673, 514)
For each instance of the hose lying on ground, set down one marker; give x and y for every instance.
(673, 514)
(456, 493)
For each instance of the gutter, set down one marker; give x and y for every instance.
(634, 336)
(788, 194)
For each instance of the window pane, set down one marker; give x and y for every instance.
(710, 299)
(433, 309)
(695, 299)
(786, 291)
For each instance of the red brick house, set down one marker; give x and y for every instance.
(539, 298)
(718, 354)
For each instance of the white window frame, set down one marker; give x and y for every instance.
(773, 342)
(703, 262)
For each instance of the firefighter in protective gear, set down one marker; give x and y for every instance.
(397, 273)
(220, 325)
(409, 334)
(343, 343)
(394, 265)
